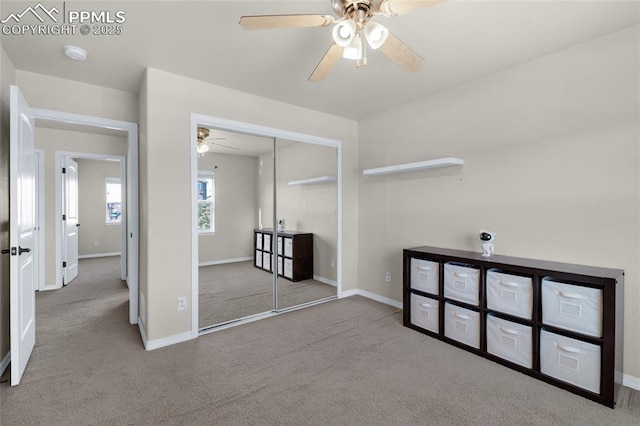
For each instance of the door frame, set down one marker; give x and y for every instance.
(132, 243)
(39, 252)
(255, 130)
(59, 197)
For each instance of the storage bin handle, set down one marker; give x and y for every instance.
(461, 275)
(569, 348)
(457, 315)
(425, 268)
(510, 283)
(425, 305)
(570, 295)
(508, 330)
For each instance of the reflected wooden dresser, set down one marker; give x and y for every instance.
(294, 253)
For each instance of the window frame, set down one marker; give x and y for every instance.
(108, 181)
(209, 175)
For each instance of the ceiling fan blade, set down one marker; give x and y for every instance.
(401, 54)
(327, 62)
(225, 146)
(265, 22)
(398, 7)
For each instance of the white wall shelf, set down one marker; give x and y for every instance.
(410, 167)
(313, 181)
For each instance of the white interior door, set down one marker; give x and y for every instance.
(21, 235)
(70, 220)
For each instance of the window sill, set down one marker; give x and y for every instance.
(113, 223)
(206, 233)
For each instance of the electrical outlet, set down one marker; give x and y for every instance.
(182, 303)
(387, 277)
(333, 263)
(96, 243)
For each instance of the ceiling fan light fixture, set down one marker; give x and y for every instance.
(376, 34)
(202, 148)
(354, 49)
(344, 32)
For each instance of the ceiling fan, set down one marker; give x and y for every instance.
(204, 141)
(352, 25)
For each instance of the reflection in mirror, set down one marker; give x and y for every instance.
(307, 205)
(235, 179)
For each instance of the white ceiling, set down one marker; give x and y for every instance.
(460, 41)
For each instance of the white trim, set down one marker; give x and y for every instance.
(372, 296)
(256, 130)
(130, 257)
(313, 181)
(40, 222)
(150, 345)
(222, 262)
(631, 382)
(324, 280)
(90, 256)
(5, 363)
(348, 293)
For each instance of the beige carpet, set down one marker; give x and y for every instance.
(235, 290)
(347, 362)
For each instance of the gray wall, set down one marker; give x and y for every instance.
(92, 175)
(235, 207)
(7, 77)
(551, 164)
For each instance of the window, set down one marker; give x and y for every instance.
(206, 205)
(114, 200)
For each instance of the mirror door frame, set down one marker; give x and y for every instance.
(255, 130)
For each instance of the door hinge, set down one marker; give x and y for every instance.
(64, 264)
(64, 217)
(64, 170)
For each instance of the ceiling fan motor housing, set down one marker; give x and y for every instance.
(346, 8)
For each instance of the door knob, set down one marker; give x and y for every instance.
(23, 250)
(77, 224)
(6, 251)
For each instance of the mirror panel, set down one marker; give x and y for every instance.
(307, 203)
(240, 169)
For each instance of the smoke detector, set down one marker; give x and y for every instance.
(76, 53)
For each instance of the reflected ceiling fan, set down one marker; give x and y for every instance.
(353, 30)
(204, 140)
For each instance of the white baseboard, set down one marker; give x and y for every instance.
(150, 345)
(631, 382)
(221, 262)
(324, 280)
(5, 363)
(371, 296)
(90, 256)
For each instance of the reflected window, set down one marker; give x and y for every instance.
(114, 200)
(206, 202)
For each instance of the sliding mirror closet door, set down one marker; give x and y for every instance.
(307, 222)
(235, 198)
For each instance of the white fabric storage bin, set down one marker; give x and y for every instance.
(510, 341)
(258, 240)
(288, 268)
(280, 246)
(288, 247)
(424, 312)
(267, 242)
(425, 275)
(511, 294)
(570, 360)
(572, 307)
(258, 258)
(266, 261)
(280, 265)
(462, 283)
(462, 325)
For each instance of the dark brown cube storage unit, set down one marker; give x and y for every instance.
(557, 322)
(294, 253)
